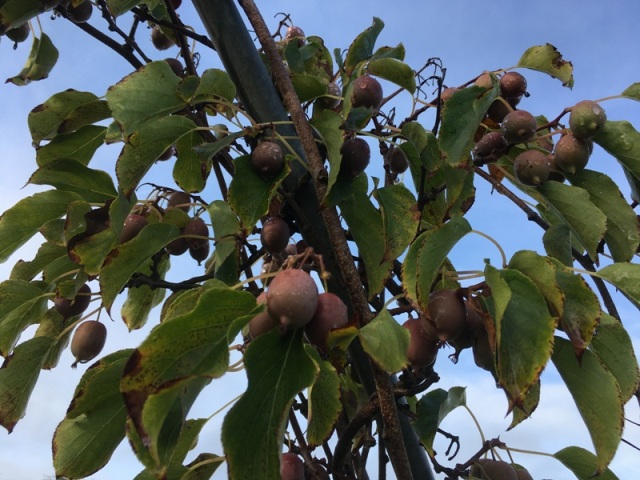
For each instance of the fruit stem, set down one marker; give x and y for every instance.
(226, 405)
(475, 420)
(612, 97)
(494, 241)
(393, 299)
(531, 452)
(262, 276)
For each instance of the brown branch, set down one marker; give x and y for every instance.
(176, 28)
(106, 14)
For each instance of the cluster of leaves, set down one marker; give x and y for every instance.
(536, 307)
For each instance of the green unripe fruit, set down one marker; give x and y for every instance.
(586, 119)
(88, 341)
(532, 168)
(519, 126)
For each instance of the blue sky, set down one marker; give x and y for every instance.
(600, 38)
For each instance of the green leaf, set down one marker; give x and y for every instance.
(461, 117)
(215, 84)
(328, 124)
(187, 171)
(227, 231)
(91, 251)
(362, 47)
(613, 347)
(426, 254)
(632, 92)
(597, 396)
(400, 218)
(308, 87)
(573, 204)
(147, 94)
(54, 326)
(395, 71)
(582, 463)
(95, 421)
(621, 140)
(18, 377)
(366, 225)
(203, 467)
(41, 60)
(190, 345)
(528, 406)
(542, 271)
(386, 342)
(500, 294)
(130, 257)
(278, 367)
(140, 300)
(622, 224)
(188, 437)
(145, 146)
(250, 194)
(79, 145)
(22, 304)
(547, 59)
(94, 186)
(432, 409)
(47, 254)
(581, 313)
(118, 7)
(324, 400)
(19, 223)
(557, 243)
(625, 277)
(524, 336)
(47, 120)
(14, 13)
(398, 52)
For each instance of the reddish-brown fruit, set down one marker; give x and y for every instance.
(177, 247)
(295, 32)
(291, 467)
(200, 253)
(179, 199)
(80, 13)
(513, 86)
(262, 322)
(19, 34)
(176, 4)
(196, 233)
(367, 92)
(292, 298)
(275, 235)
(397, 159)
(484, 81)
(489, 148)
(334, 100)
(572, 154)
(523, 474)
(176, 66)
(160, 40)
(132, 226)
(519, 126)
(71, 308)
(498, 110)
(586, 119)
(88, 341)
(487, 469)
(267, 159)
(356, 155)
(447, 313)
(423, 349)
(531, 167)
(331, 313)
